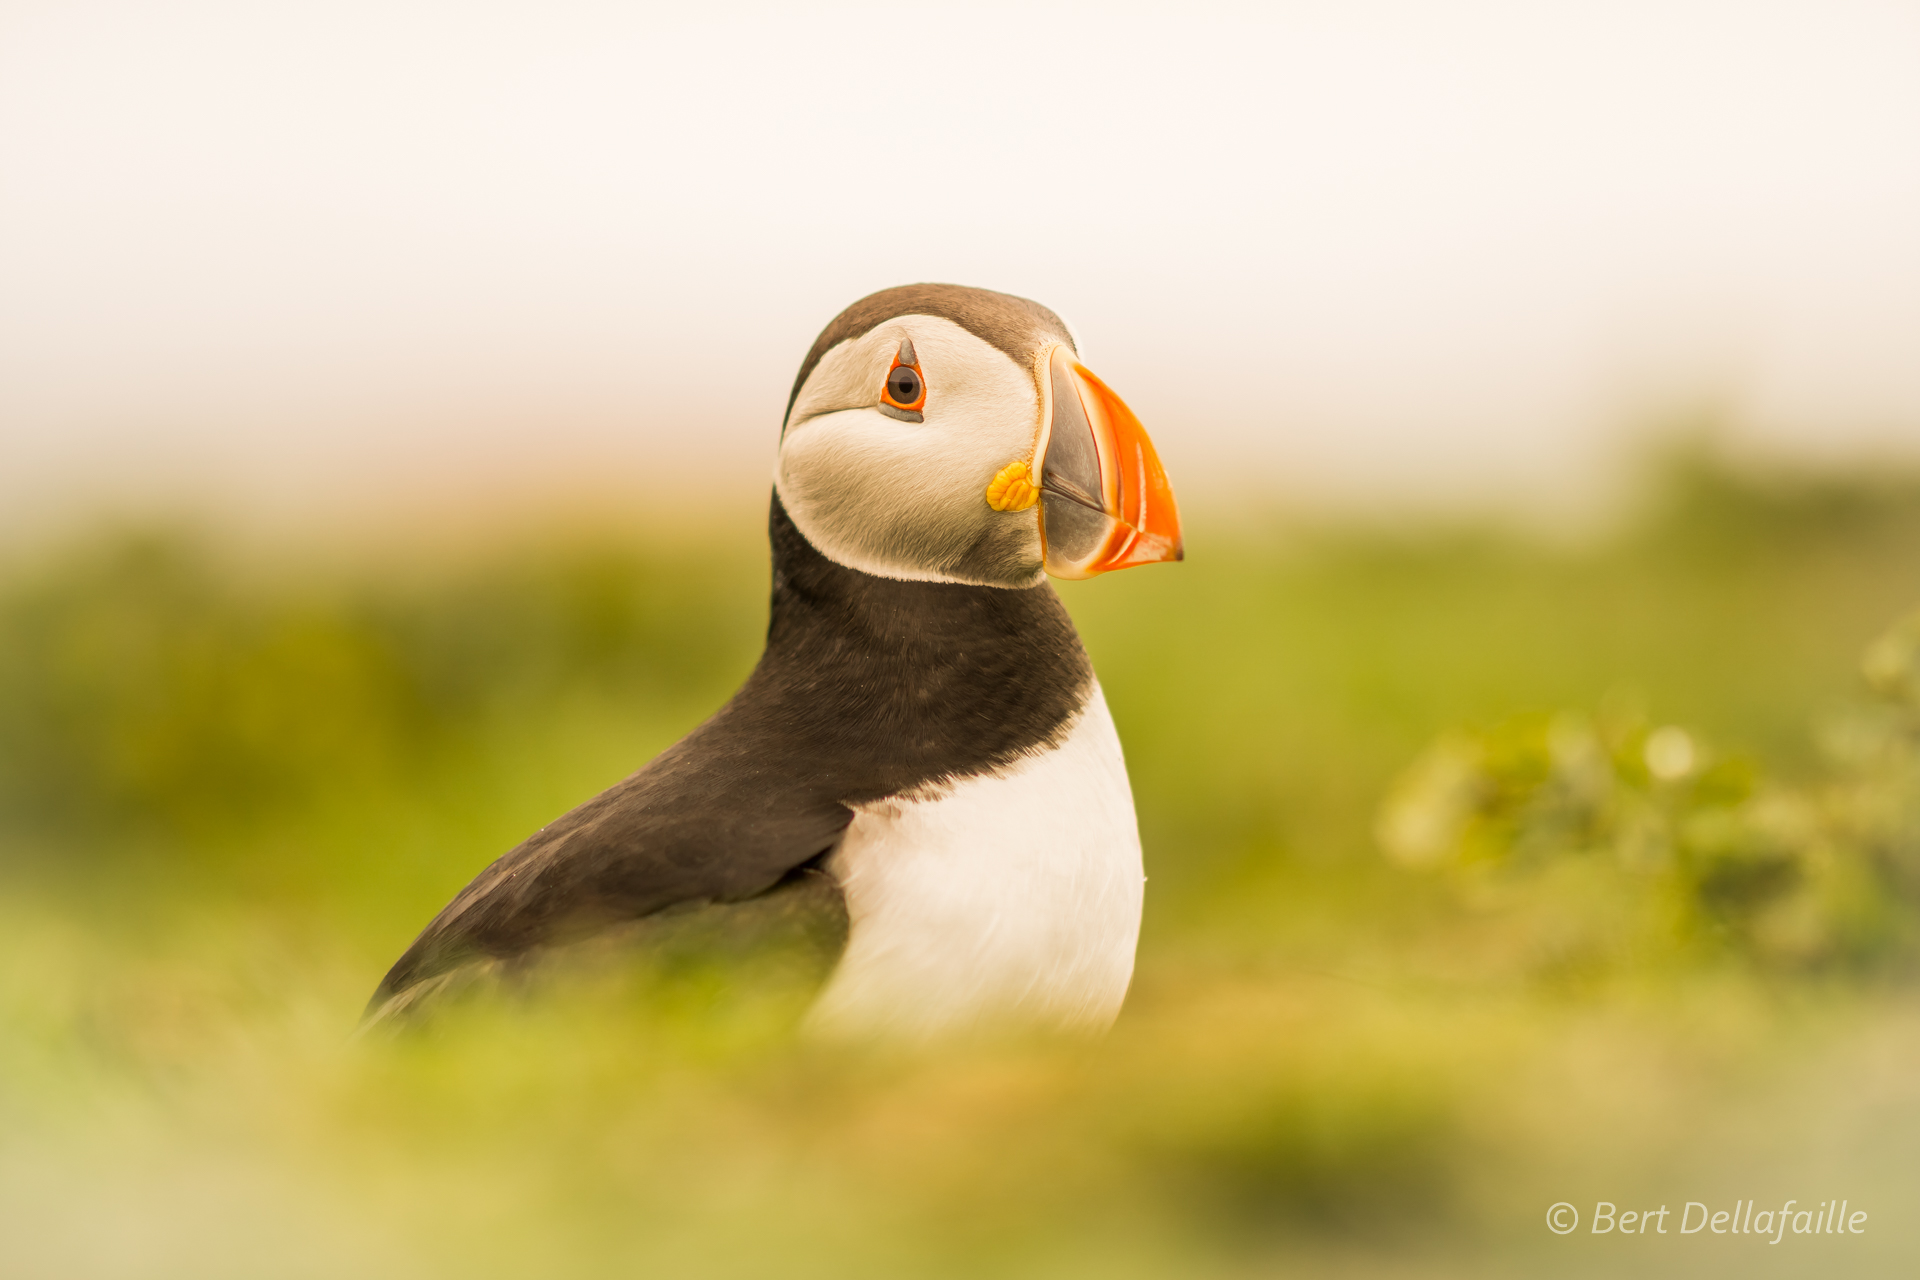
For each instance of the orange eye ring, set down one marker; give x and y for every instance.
(905, 390)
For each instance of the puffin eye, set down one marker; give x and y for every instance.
(906, 390)
(903, 385)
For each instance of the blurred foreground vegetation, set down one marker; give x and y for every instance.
(1484, 873)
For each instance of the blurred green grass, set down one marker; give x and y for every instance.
(234, 782)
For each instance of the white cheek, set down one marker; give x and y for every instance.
(900, 499)
(861, 479)
(888, 503)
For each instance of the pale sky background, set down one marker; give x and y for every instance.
(299, 259)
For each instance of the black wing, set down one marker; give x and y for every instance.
(715, 818)
(869, 687)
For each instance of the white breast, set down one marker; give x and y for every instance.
(1012, 897)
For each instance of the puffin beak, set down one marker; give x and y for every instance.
(1104, 498)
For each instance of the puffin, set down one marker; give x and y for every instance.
(921, 768)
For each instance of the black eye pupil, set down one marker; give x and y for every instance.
(904, 385)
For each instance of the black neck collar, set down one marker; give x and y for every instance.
(897, 685)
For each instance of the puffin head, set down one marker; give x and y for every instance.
(943, 434)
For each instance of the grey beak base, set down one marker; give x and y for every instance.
(1076, 519)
